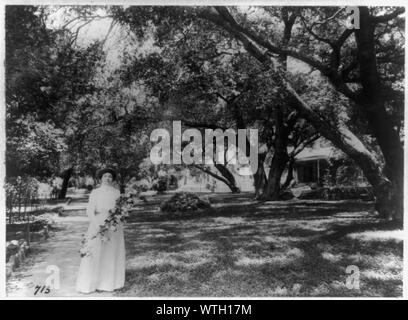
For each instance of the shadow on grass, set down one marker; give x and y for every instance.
(260, 249)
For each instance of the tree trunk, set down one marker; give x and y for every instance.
(66, 176)
(260, 180)
(122, 182)
(228, 176)
(230, 185)
(373, 104)
(273, 188)
(280, 158)
(289, 177)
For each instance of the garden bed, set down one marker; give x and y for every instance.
(39, 228)
(338, 193)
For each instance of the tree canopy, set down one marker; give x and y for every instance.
(294, 73)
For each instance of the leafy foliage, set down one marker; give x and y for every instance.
(45, 76)
(184, 202)
(117, 217)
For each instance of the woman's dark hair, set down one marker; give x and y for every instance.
(107, 170)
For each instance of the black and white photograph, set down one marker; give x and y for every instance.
(203, 151)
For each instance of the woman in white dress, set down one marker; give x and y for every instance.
(104, 267)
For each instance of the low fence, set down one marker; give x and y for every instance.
(24, 197)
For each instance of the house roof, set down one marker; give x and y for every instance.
(318, 153)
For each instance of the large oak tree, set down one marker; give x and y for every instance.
(364, 65)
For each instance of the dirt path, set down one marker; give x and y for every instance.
(60, 250)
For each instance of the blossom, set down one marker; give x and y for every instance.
(117, 215)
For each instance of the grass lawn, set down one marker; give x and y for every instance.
(247, 248)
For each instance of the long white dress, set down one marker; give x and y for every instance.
(104, 268)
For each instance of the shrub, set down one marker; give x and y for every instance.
(184, 202)
(160, 185)
(135, 185)
(339, 193)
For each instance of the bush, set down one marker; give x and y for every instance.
(135, 185)
(286, 195)
(160, 185)
(184, 202)
(338, 193)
